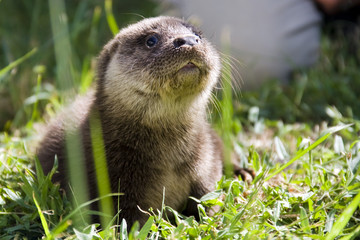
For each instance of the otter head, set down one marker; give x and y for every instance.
(157, 67)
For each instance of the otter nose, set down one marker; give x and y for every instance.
(190, 40)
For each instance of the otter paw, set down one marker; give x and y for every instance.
(246, 174)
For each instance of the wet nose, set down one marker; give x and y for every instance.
(190, 40)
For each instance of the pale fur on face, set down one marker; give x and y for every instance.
(147, 81)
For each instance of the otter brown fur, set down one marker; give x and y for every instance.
(154, 82)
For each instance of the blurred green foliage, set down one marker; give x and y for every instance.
(25, 25)
(333, 82)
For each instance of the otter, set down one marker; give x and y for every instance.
(154, 82)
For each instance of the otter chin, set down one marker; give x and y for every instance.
(154, 81)
(190, 71)
(188, 80)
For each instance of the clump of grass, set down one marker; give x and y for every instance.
(316, 198)
(20, 189)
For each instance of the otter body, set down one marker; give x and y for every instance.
(154, 82)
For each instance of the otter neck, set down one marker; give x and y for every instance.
(152, 112)
(148, 117)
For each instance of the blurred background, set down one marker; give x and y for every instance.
(294, 59)
(270, 39)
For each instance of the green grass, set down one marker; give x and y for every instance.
(302, 142)
(317, 198)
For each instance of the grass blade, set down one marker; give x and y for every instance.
(110, 17)
(63, 53)
(227, 108)
(78, 183)
(146, 228)
(102, 174)
(304, 220)
(344, 218)
(16, 63)
(43, 220)
(123, 230)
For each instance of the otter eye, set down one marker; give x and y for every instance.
(152, 41)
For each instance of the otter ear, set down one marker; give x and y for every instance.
(105, 56)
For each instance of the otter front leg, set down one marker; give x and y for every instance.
(191, 209)
(198, 190)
